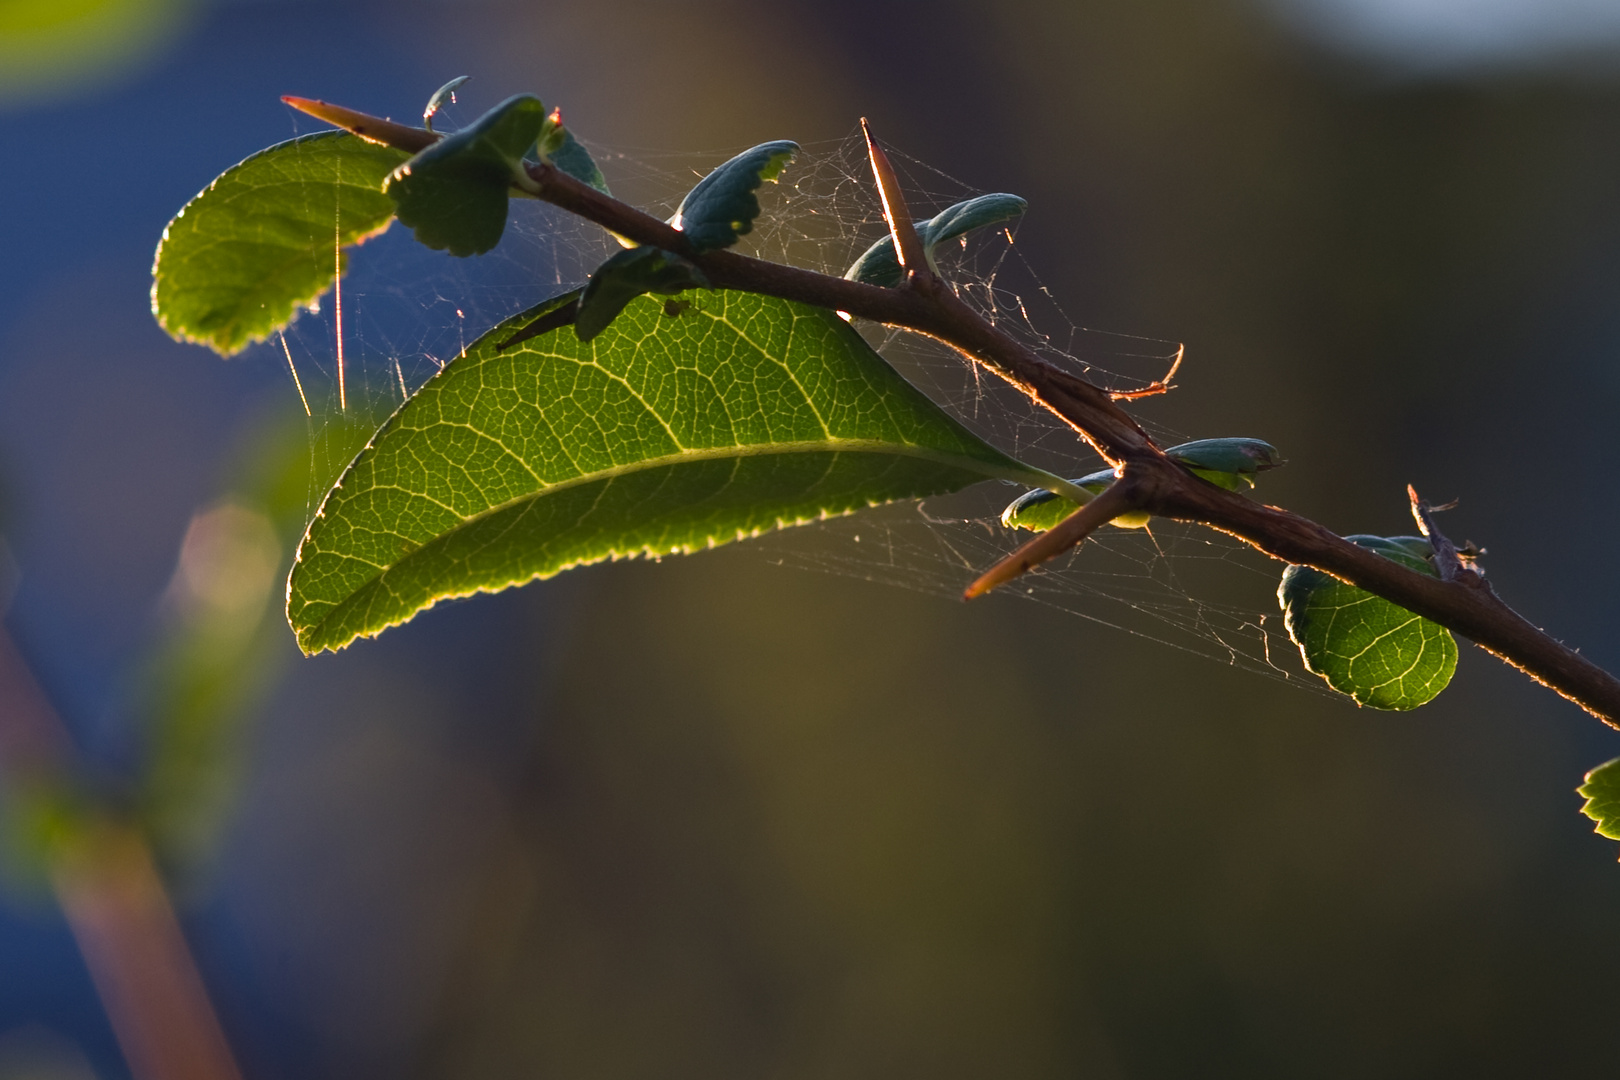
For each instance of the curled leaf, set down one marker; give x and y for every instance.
(445, 93)
(723, 205)
(1041, 509)
(241, 258)
(1226, 463)
(1223, 462)
(878, 265)
(454, 194)
(1362, 645)
(630, 274)
(1602, 794)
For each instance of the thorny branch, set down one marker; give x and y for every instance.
(1148, 480)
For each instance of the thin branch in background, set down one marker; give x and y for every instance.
(108, 885)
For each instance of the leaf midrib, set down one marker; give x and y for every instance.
(871, 446)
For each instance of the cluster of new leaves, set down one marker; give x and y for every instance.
(604, 423)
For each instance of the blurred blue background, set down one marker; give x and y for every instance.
(716, 818)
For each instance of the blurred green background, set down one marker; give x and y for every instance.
(716, 818)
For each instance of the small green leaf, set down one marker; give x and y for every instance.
(1041, 509)
(878, 265)
(723, 205)
(975, 213)
(1602, 794)
(255, 246)
(445, 93)
(1223, 462)
(572, 158)
(660, 435)
(1378, 653)
(1226, 463)
(454, 194)
(630, 274)
(558, 146)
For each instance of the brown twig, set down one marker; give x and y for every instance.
(374, 128)
(1448, 560)
(1157, 485)
(1157, 386)
(1113, 501)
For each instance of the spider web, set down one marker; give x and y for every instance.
(403, 311)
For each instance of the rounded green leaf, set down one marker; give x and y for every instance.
(1602, 794)
(723, 205)
(675, 429)
(1362, 645)
(239, 260)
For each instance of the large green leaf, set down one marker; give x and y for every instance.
(1378, 653)
(454, 194)
(677, 428)
(258, 243)
(1602, 794)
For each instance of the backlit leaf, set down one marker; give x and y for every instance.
(675, 429)
(1041, 508)
(259, 243)
(1602, 794)
(1377, 652)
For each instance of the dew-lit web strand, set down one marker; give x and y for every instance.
(822, 215)
(337, 295)
(292, 367)
(1240, 635)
